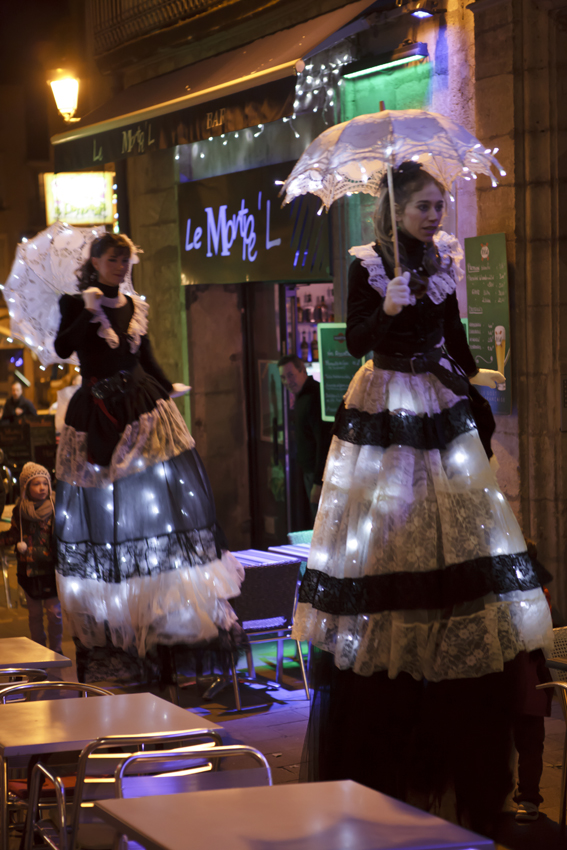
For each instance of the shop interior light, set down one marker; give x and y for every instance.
(65, 88)
(402, 55)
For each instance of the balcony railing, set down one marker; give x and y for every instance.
(117, 22)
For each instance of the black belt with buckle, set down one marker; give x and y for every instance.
(424, 363)
(117, 384)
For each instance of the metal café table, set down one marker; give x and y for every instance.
(17, 652)
(310, 816)
(60, 725)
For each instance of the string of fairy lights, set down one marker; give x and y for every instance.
(316, 90)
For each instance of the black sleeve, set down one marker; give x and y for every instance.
(322, 432)
(150, 365)
(75, 320)
(365, 314)
(28, 407)
(456, 337)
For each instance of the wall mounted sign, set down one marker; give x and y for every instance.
(257, 105)
(338, 367)
(233, 230)
(489, 313)
(85, 198)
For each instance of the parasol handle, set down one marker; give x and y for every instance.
(397, 267)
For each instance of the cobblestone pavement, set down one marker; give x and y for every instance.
(274, 721)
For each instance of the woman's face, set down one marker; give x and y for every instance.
(111, 266)
(422, 214)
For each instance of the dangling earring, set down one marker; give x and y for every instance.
(93, 277)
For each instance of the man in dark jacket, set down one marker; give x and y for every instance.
(17, 405)
(313, 436)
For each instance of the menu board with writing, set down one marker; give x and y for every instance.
(31, 439)
(338, 367)
(489, 313)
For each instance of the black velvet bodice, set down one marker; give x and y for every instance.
(77, 332)
(415, 330)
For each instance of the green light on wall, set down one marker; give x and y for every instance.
(402, 55)
(375, 68)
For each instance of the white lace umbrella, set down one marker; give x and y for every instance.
(44, 269)
(353, 156)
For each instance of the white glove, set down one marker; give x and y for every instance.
(488, 378)
(179, 389)
(397, 295)
(91, 297)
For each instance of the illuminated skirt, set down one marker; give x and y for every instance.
(417, 562)
(141, 561)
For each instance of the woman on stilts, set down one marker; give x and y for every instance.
(419, 594)
(142, 564)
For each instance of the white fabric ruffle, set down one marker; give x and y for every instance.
(439, 286)
(185, 605)
(426, 645)
(155, 437)
(137, 328)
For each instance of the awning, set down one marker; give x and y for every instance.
(254, 84)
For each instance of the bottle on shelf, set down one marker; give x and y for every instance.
(299, 312)
(306, 314)
(304, 349)
(314, 347)
(323, 310)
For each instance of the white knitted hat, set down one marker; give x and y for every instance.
(32, 470)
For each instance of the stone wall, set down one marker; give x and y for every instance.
(521, 50)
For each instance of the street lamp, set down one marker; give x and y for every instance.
(65, 88)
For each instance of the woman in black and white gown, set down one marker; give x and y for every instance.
(142, 563)
(419, 593)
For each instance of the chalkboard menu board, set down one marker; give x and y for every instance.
(338, 367)
(30, 439)
(489, 313)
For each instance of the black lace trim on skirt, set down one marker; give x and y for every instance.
(404, 429)
(162, 664)
(137, 558)
(436, 589)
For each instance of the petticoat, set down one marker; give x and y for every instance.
(417, 562)
(141, 560)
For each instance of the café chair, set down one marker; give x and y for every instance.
(191, 758)
(14, 784)
(10, 676)
(265, 608)
(559, 677)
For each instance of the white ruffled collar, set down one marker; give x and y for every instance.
(137, 327)
(440, 285)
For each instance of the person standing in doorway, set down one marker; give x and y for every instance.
(313, 436)
(17, 405)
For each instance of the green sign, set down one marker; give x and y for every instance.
(489, 313)
(338, 367)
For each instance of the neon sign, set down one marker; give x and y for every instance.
(233, 230)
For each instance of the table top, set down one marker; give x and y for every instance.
(557, 664)
(310, 816)
(23, 652)
(260, 558)
(56, 725)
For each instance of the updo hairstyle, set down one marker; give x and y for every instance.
(86, 274)
(408, 178)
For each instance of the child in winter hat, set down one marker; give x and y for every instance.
(32, 533)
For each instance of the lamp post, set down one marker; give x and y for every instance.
(65, 88)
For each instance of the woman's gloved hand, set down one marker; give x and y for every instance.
(488, 378)
(91, 297)
(397, 295)
(179, 389)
